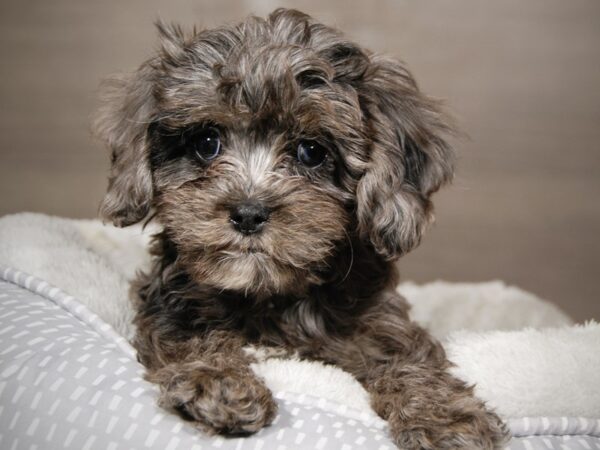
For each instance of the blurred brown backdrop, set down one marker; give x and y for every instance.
(523, 79)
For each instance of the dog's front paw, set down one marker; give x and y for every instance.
(225, 401)
(472, 430)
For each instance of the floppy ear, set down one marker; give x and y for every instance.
(410, 159)
(123, 123)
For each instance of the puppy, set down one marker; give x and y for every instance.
(289, 168)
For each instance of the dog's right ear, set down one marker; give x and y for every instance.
(122, 123)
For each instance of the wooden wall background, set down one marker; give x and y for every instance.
(523, 79)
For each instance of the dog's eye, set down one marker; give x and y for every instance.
(311, 153)
(207, 144)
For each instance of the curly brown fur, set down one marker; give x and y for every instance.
(208, 380)
(318, 276)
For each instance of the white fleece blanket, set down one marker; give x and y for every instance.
(525, 356)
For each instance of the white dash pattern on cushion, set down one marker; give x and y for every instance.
(68, 380)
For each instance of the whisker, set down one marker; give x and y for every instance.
(351, 258)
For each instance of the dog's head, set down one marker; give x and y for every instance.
(263, 147)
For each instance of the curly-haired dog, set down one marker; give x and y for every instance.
(288, 168)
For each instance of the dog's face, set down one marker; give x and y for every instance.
(264, 147)
(256, 189)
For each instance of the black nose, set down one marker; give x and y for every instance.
(249, 217)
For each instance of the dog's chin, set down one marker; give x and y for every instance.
(250, 271)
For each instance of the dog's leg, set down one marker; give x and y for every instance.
(207, 380)
(427, 408)
(406, 374)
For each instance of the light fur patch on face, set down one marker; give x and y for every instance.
(250, 273)
(242, 271)
(256, 166)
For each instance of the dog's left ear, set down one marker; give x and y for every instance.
(410, 159)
